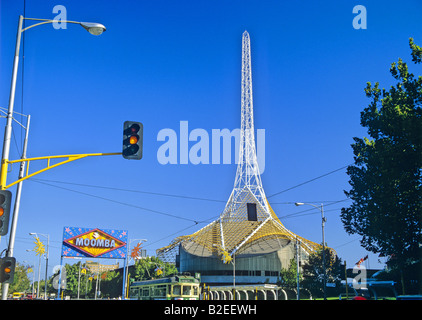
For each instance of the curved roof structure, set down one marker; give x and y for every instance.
(227, 236)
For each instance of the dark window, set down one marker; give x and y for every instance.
(252, 212)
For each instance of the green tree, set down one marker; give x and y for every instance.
(386, 175)
(72, 272)
(72, 278)
(146, 269)
(313, 272)
(288, 277)
(111, 284)
(21, 282)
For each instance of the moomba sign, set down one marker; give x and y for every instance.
(97, 243)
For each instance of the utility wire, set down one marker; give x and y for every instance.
(118, 202)
(294, 215)
(147, 244)
(308, 181)
(44, 181)
(297, 214)
(127, 190)
(187, 197)
(342, 245)
(303, 212)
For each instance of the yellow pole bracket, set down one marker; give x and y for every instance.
(69, 158)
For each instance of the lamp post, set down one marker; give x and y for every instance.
(323, 220)
(232, 261)
(297, 268)
(79, 274)
(126, 280)
(46, 259)
(33, 275)
(93, 28)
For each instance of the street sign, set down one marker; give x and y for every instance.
(98, 243)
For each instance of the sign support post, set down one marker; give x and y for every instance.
(124, 282)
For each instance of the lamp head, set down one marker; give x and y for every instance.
(93, 28)
(297, 204)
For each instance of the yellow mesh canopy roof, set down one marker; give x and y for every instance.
(234, 233)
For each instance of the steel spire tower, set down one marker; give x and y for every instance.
(248, 179)
(247, 226)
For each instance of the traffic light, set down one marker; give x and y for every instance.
(5, 203)
(132, 140)
(7, 269)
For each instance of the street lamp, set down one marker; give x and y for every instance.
(93, 28)
(46, 259)
(323, 219)
(126, 280)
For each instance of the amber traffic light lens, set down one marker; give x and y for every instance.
(133, 139)
(1, 211)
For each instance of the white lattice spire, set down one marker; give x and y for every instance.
(247, 185)
(248, 225)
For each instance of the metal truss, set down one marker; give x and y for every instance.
(26, 161)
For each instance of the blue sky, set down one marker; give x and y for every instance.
(162, 62)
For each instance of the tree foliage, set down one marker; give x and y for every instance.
(386, 176)
(152, 268)
(74, 276)
(111, 284)
(288, 277)
(313, 271)
(21, 282)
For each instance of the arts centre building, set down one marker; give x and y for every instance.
(248, 237)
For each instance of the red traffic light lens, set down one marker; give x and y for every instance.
(135, 127)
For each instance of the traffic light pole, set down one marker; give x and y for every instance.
(23, 175)
(93, 28)
(8, 128)
(14, 224)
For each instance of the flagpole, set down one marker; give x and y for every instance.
(124, 277)
(60, 278)
(79, 278)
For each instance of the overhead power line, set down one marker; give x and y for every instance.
(45, 182)
(308, 181)
(118, 202)
(183, 196)
(128, 190)
(307, 211)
